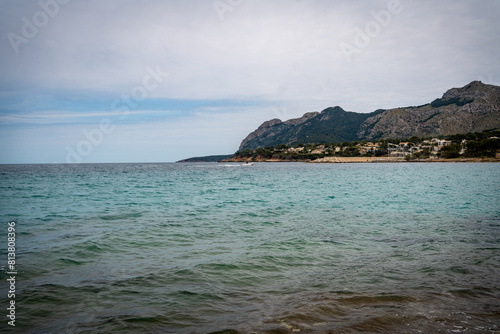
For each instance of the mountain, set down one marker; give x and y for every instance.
(472, 108)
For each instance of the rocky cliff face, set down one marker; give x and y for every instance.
(472, 108)
(269, 130)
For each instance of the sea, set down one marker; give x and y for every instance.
(268, 248)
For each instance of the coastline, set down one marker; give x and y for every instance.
(396, 160)
(365, 160)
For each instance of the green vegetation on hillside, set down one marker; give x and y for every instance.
(332, 124)
(456, 100)
(481, 144)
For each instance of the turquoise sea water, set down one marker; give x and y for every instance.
(272, 248)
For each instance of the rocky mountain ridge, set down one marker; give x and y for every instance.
(472, 108)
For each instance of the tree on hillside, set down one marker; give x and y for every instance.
(415, 140)
(450, 151)
(483, 148)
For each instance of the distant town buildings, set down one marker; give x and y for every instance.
(414, 148)
(368, 148)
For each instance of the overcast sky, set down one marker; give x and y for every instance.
(161, 80)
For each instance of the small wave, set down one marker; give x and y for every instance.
(197, 296)
(149, 280)
(88, 249)
(459, 270)
(218, 266)
(382, 299)
(93, 248)
(71, 262)
(121, 216)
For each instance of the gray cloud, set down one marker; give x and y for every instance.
(286, 53)
(257, 49)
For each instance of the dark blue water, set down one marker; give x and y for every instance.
(272, 248)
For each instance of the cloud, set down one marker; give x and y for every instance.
(257, 49)
(270, 55)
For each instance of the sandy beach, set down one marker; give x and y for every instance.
(364, 160)
(393, 159)
(357, 159)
